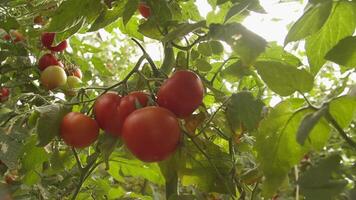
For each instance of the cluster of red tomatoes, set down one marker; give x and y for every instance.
(149, 130)
(53, 72)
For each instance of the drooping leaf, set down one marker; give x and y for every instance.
(312, 20)
(317, 183)
(48, 124)
(129, 10)
(277, 53)
(343, 109)
(277, 148)
(244, 108)
(183, 30)
(107, 17)
(344, 53)
(308, 124)
(65, 17)
(283, 78)
(237, 8)
(341, 23)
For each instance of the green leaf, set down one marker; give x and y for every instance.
(244, 42)
(183, 30)
(278, 54)
(211, 175)
(135, 168)
(9, 23)
(312, 20)
(216, 47)
(129, 10)
(341, 23)
(33, 156)
(276, 145)
(108, 16)
(69, 15)
(99, 65)
(343, 110)
(317, 182)
(10, 149)
(107, 144)
(149, 29)
(308, 123)
(205, 49)
(48, 124)
(235, 71)
(237, 9)
(344, 53)
(203, 65)
(283, 78)
(244, 108)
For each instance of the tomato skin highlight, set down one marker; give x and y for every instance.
(152, 133)
(128, 103)
(182, 93)
(78, 130)
(144, 10)
(47, 60)
(47, 39)
(106, 113)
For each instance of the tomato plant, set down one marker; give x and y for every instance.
(208, 99)
(151, 133)
(78, 130)
(182, 93)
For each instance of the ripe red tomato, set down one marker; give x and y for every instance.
(76, 72)
(144, 10)
(152, 133)
(47, 60)
(182, 93)
(9, 179)
(60, 47)
(78, 130)
(53, 77)
(47, 39)
(38, 20)
(106, 113)
(4, 94)
(128, 103)
(18, 36)
(7, 37)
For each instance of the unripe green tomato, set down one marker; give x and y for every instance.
(53, 77)
(73, 82)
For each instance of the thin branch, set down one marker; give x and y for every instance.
(221, 67)
(80, 166)
(148, 58)
(187, 48)
(208, 158)
(341, 131)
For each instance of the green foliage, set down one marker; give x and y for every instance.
(273, 118)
